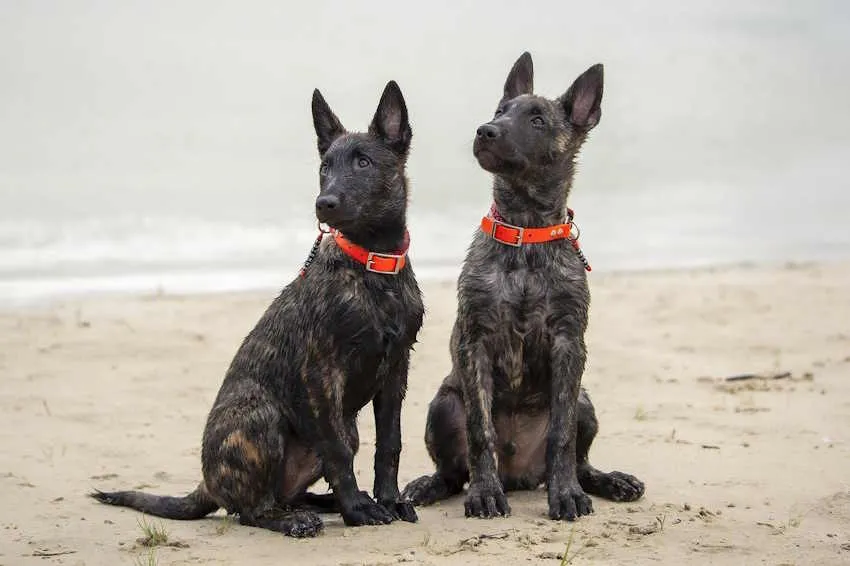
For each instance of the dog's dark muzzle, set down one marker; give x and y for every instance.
(487, 137)
(487, 146)
(328, 209)
(488, 132)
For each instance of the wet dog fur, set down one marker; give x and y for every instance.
(333, 341)
(512, 414)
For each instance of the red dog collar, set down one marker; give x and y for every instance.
(494, 225)
(375, 262)
(517, 235)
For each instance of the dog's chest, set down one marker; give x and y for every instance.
(519, 300)
(521, 307)
(382, 322)
(518, 313)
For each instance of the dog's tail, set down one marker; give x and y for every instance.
(193, 506)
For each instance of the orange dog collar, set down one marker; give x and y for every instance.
(494, 225)
(375, 262)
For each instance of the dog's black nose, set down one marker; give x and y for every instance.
(488, 131)
(327, 203)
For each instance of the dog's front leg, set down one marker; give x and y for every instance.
(387, 404)
(485, 497)
(566, 498)
(325, 428)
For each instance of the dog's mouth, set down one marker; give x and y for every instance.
(335, 219)
(488, 160)
(494, 160)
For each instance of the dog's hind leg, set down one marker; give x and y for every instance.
(320, 502)
(445, 437)
(297, 523)
(616, 486)
(240, 455)
(244, 455)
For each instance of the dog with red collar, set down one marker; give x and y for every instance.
(512, 414)
(337, 338)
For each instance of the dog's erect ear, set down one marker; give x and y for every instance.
(583, 100)
(521, 78)
(390, 123)
(328, 126)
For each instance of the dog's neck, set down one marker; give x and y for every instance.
(532, 204)
(388, 237)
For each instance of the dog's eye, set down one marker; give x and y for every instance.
(499, 111)
(323, 170)
(363, 162)
(538, 121)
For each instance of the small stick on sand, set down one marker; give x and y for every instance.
(748, 376)
(48, 553)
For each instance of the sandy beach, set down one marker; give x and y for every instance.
(113, 392)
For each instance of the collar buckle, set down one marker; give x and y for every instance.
(371, 263)
(517, 237)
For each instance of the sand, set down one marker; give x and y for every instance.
(113, 393)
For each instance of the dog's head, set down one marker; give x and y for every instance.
(363, 189)
(529, 134)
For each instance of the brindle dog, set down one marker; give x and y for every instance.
(511, 414)
(333, 341)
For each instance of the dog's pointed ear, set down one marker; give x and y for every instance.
(328, 127)
(390, 123)
(521, 78)
(583, 100)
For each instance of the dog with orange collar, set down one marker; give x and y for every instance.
(337, 338)
(512, 414)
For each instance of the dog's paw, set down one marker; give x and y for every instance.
(299, 523)
(302, 524)
(362, 510)
(619, 486)
(486, 501)
(421, 491)
(401, 510)
(569, 502)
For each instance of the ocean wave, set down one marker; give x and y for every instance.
(42, 258)
(25, 291)
(29, 246)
